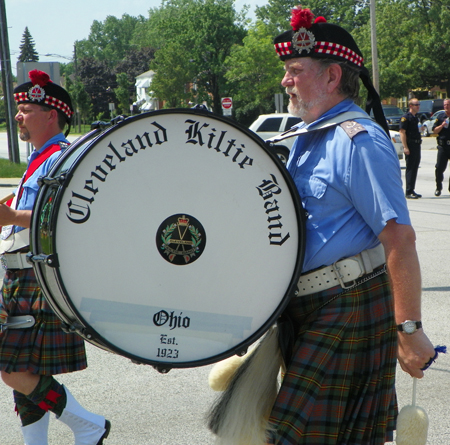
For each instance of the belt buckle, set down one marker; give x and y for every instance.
(340, 277)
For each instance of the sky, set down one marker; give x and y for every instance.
(55, 25)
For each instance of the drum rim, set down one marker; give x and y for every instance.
(87, 332)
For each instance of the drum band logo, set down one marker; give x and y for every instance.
(183, 239)
(268, 190)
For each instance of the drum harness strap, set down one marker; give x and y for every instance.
(347, 271)
(328, 123)
(18, 260)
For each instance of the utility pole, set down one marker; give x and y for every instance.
(7, 83)
(373, 28)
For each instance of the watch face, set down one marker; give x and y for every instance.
(409, 326)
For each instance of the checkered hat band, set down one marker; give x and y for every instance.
(284, 48)
(334, 49)
(50, 101)
(20, 97)
(56, 103)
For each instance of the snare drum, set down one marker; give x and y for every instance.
(173, 238)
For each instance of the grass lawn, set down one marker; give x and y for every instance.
(10, 169)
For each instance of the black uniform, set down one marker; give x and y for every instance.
(443, 154)
(410, 124)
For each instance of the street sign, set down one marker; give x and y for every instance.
(227, 103)
(227, 106)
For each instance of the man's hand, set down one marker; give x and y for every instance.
(413, 352)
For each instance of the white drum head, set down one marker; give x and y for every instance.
(178, 238)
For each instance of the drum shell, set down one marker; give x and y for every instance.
(47, 223)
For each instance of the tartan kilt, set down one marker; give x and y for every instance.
(339, 387)
(43, 349)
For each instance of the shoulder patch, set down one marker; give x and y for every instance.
(403, 119)
(352, 128)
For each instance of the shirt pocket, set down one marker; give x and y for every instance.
(312, 189)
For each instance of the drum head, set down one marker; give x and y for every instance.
(179, 238)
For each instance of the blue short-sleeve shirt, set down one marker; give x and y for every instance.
(31, 187)
(349, 187)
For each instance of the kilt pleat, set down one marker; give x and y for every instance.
(43, 349)
(339, 388)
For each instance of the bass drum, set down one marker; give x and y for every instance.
(173, 238)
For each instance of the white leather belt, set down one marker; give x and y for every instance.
(15, 261)
(344, 272)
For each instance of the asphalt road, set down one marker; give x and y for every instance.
(148, 408)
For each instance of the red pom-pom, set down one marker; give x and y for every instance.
(301, 18)
(320, 19)
(39, 78)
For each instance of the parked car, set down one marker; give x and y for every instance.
(269, 125)
(395, 138)
(427, 129)
(393, 115)
(428, 107)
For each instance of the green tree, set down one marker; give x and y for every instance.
(122, 93)
(209, 30)
(254, 74)
(99, 82)
(80, 99)
(111, 40)
(27, 50)
(173, 76)
(135, 63)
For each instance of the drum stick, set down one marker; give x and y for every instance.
(7, 198)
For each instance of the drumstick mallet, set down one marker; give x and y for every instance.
(7, 198)
(412, 421)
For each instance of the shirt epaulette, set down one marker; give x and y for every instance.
(352, 128)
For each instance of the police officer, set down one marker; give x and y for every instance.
(442, 129)
(411, 140)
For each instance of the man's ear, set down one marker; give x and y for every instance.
(53, 115)
(334, 77)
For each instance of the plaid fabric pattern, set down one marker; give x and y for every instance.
(43, 349)
(339, 388)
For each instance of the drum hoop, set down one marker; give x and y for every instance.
(94, 337)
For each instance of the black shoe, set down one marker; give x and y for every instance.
(416, 195)
(437, 192)
(411, 196)
(106, 433)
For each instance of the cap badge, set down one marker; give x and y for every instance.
(303, 40)
(36, 93)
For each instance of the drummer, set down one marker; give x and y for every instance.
(31, 352)
(350, 326)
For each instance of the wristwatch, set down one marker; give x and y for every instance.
(409, 326)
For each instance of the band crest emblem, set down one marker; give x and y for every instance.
(36, 93)
(303, 40)
(181, 239)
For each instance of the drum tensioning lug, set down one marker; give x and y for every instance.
(162, 369)
(49, 260)
(52, 181)
(76, 328)
(242, 352)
